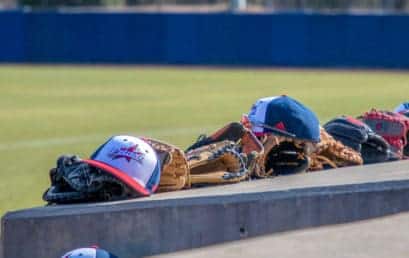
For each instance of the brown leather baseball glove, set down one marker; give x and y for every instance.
(330, 153)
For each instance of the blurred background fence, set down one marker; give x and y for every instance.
(40, 33)
(345, 6)
(301, 40)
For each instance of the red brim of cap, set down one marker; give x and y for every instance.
(128, 180)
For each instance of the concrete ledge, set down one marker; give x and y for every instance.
(200, 217)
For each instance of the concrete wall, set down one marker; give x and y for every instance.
(304, 40)
(200, 217)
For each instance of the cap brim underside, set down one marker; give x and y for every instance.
(128, 180)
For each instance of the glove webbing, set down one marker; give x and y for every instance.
(227, 176)
(229, 149)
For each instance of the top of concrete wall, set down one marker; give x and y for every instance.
(328, 181)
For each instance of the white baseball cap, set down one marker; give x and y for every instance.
(131, 160)
(88, 252)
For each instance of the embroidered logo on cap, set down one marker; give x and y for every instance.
(128, 153)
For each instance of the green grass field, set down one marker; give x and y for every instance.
(46, 111)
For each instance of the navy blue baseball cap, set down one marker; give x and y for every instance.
(283, 115)
(404, 107)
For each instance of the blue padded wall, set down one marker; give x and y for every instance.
(302, 40)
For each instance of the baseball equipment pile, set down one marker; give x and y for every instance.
(279, 136)
(289, 132)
